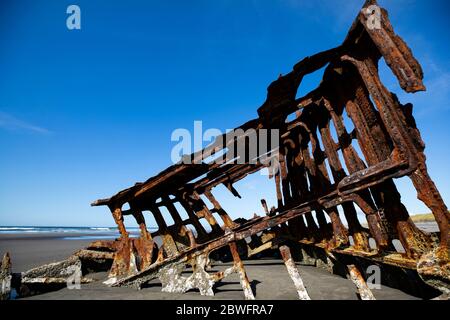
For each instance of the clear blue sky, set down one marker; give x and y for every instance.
(88, 112)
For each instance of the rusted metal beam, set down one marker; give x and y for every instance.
(360, 283)
(293, 273)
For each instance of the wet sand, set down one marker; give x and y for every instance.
(29, 250)
(269, 278)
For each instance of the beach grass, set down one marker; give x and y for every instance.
(417, 218)
(424, 217)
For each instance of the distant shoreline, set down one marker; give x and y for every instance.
(95, 230)
(425, 217)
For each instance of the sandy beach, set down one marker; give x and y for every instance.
(268, 277)
(32, 250)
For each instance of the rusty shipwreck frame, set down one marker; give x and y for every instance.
(318, 176)
(391, 148)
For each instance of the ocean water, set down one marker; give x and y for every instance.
(40, 229)
(86, 233)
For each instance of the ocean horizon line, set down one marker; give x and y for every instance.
(63, 229)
